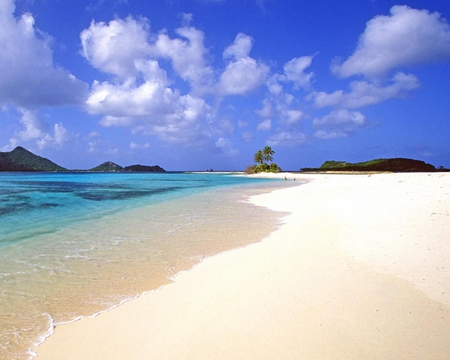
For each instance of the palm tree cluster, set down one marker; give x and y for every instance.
(264, 161)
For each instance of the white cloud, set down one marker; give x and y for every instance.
(295, 71)
(59, 137)
(406, 37)
(187, 18)
(93, 134)
(274, 86)
(267, 110)
(240, 49)
(187, 56)
(242, 124)
(34, 128)
(134, 146)
(226, 146)
(114, 47)
(287, 139)
(280, 105)
(338, 123)
(364, 93)
(157, 110)
(122, 46)
(151, 98)
(265, 125)
(141, 95)
(243, 73)
(37, 132)
(28, 76)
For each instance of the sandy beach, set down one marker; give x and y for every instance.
(359, 270)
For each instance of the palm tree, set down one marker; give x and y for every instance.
(268, 153)
(259, 157)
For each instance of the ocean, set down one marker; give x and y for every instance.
(77, 244)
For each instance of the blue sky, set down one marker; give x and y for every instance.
(201, 84)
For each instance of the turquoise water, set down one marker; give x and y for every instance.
(32, 204)
(75, 244)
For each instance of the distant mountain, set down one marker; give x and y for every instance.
(21, 159)
(143, 168)
(108, 166)
(390, 165)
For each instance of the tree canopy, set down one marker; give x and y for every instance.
(264, 161)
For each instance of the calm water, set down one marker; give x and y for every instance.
(73, 245)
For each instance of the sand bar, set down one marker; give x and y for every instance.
(358, 271)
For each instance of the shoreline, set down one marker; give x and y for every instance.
(318, 287)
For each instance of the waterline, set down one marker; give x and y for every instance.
(90, 265)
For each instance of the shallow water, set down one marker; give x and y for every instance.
(73, 245)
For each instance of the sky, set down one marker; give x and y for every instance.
(204, 84)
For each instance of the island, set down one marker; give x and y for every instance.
(20, 159)
(377, 165)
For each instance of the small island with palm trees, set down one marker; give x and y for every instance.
(263, 162)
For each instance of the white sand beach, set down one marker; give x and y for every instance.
(359, 270)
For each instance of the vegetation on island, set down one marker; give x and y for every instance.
(143, 168)
(381, 165)
(21, 159)
(109, 166)
(263, 162)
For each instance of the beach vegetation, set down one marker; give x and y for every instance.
(259, 157)
(263, 162)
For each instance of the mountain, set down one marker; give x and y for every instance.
(390, 165)
(143, 168)
(108, 166)
(21, 159)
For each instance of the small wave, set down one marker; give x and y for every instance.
(49, 332)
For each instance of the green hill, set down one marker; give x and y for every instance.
(21, 159)
(389, 165)
(143, 168)
(108, 166)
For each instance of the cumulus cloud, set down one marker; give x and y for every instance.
(338, 123)
(243, 73)
(364, 93)
(406, 37)
(294, 71)
(265, 125)
(57, 139)
(280, 105)
(158, 110)
(122, 45)
(38, 133)
(141, 95)
(287, 139)
(113, 47)
(187, 55)
(28, 76)
(134, 146)
(226, 146)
